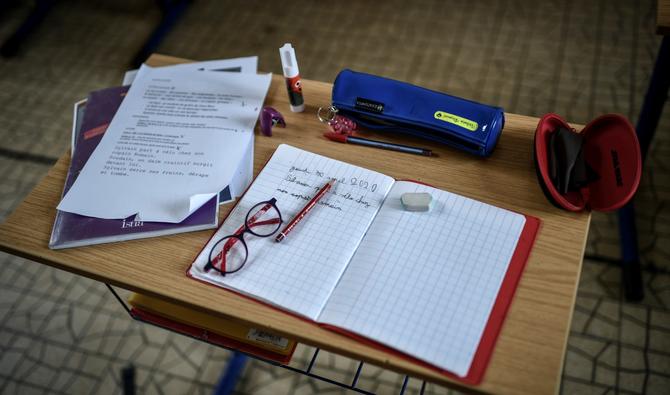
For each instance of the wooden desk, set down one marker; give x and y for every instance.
(528, 357)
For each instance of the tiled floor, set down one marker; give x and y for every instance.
(60, 333)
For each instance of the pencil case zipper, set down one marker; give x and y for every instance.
(414, 130)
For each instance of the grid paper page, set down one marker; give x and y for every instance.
(424, 283)
(300, 273)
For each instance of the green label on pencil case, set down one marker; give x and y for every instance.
(456, 120)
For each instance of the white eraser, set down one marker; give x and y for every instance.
(416, 201)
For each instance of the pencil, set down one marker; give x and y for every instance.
(343, 138)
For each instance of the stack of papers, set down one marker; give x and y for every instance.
(182, 145)
(182, 135)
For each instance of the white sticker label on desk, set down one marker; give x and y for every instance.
(266, 337)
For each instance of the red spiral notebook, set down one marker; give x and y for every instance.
(433, 287)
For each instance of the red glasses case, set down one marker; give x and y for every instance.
(610, 149)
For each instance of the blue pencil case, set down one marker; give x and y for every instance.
(384, 104)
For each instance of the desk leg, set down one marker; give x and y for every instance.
(631, 271)
(657, 94)
(232, 374)
(31, 23)
(128, 380)
(172, 10)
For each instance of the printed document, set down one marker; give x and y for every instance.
(176, 141)
(247, 64)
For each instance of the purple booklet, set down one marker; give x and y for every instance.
(73, 230)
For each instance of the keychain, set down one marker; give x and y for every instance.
(338, 123)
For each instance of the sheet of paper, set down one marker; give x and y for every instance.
(242, 178)
(247, 64)
(299, 273)
(175, 142)
(244, 174)
(425, 282)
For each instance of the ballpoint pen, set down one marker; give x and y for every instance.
(282, 235)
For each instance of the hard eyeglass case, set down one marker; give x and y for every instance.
(598, 168)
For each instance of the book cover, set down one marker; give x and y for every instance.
(73, 230)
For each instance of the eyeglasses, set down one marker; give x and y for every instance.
(229, 254)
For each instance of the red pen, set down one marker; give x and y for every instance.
(282, 235)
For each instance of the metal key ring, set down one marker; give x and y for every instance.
(330, 113)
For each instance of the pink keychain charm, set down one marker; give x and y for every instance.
(338, 123)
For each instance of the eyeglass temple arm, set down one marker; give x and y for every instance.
(251, 223)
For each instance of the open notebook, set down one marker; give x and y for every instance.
(433, 285)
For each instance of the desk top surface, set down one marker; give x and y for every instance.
(528, 356)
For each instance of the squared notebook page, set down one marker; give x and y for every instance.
(424, 283)
(299, 273)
